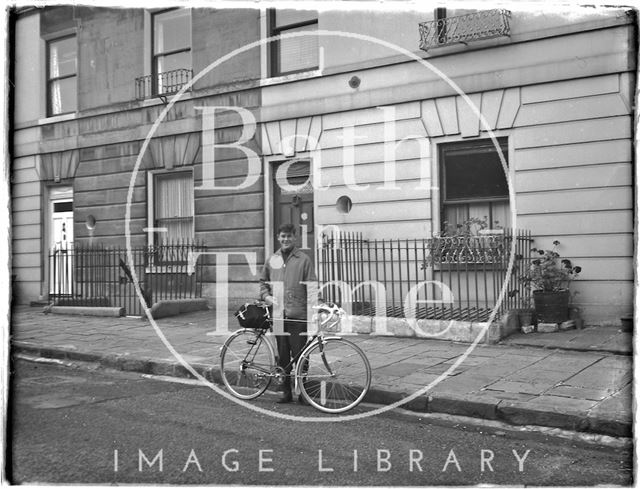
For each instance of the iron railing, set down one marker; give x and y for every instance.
(458, 278)
(485, 24)
(103, 276)
(162, 83)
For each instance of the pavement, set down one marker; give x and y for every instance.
(578, 380)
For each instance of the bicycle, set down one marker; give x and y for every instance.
(332, 374)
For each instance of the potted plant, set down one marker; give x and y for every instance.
(549, 277)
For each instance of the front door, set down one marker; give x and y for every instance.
(293, 203)
(60, 241)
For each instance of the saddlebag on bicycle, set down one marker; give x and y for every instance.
(254, 315)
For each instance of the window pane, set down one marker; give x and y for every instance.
(298, 53)
(500, 215)
(62, 57)
(496, 214)
(62, 96)
(174, 196)
(289, 16)
(174, 206)
(173, 62)
(168, 80)
(172, 31)
(474, 175)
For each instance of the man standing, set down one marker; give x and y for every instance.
(289, 267)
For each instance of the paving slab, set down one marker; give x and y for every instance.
(520, 387)
(534, 374)
(610, 339)
(520, 384)
(463, 384)
(580, 392)
(400, 369)
(596, 377)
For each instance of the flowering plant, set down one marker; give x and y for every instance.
(548, 272)
(472, 226)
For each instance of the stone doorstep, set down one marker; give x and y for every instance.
(87, 311)
(167, 308)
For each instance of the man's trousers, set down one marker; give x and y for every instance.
(290, 345)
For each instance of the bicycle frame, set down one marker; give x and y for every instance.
(315, 338)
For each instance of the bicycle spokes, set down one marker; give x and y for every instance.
(246, 364)
(338, 375)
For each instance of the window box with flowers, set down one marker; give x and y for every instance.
(549, 277)
(469, 244)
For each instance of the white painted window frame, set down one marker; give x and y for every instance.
(151, 177)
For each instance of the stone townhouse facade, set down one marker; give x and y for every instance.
(379, 129)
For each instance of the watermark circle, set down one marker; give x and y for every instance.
(180, 358)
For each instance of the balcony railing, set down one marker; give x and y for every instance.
(162, 84)
(485, 24)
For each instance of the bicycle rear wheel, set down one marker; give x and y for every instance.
(247, 362)
(334, 375)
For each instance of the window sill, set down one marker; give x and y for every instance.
(281, 79)
(156, 100)
(58, 118)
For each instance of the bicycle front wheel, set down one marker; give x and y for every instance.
(247, 363)
(334, 375)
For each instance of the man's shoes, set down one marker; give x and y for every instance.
(285, 397)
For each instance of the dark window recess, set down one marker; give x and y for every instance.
(474, 175)
(473, 184)
(295, 54)
(62, 206)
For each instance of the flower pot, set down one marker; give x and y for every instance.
(551, 307)
(525, 317)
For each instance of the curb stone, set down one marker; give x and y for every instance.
(518, 413)
(512, 412)
(462, 405)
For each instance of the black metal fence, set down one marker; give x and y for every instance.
(458, 278)
(102, 276)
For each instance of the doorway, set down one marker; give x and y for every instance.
(293, 202)
(60, 241)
